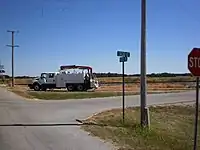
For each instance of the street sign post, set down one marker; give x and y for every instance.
(194, 68)
(123, 58)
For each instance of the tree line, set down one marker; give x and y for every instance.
(165, 74)
(109, 74)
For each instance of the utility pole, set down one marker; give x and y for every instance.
(13, 46)
(143, 84)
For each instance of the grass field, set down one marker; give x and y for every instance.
(150, 86)
(111, 88)
(149, 79)
(171, 128)
(62, 94)
(113, 83)
(127, 79)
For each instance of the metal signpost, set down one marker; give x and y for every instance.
(194, 68)
(123, 58)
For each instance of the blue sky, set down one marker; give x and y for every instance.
(89, 32)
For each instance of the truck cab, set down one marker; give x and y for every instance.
(45, 81)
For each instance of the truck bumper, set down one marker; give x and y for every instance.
(95, 85)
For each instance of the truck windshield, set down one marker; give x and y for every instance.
(43, 75)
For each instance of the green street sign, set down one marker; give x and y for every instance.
(123, 59)
(124, 54)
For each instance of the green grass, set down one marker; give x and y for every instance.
(171, 128)
(71, 95)
(76, 95)
(83, 95)
(62, 95)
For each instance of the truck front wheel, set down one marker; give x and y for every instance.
(70, 87)
(36, 87)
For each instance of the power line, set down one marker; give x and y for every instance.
(13, 46)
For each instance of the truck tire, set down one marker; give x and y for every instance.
(70, 87)
(36, 87)
(80, 87)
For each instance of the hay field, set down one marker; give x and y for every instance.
(149, 79)
(131, 83)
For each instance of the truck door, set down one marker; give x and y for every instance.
(51, 78)
(60, 83)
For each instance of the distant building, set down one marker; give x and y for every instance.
(2, 72)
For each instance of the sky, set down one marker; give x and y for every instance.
(89, 32)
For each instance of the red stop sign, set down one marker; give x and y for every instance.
(194, 62)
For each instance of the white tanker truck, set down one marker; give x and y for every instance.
(72, 77)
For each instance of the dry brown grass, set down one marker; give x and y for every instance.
(23, 81)
(134, 87)
(103, 91)
(131, 87)
(18, 81)
(172, 127)
(149, 79)
(150, 87)
(20, 90)
(127, 79)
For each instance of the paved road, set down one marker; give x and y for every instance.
(14, 109)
